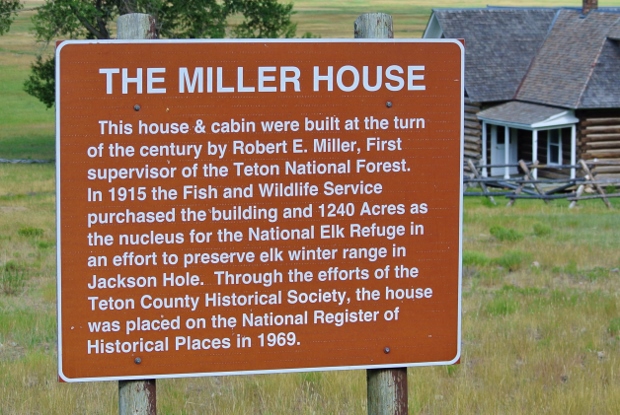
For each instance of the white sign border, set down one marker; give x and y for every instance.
(64, 378)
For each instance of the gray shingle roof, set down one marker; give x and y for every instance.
(499, 46)
(567, 62)
(614, 31)
(603, 90)
(521, 113)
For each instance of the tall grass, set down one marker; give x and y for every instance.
(541, 313)
(541, 323)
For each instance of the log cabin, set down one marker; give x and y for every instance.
(541, 84)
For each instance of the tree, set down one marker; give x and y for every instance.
(8, 11)
(179, 19)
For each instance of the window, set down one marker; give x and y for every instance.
(554, 147)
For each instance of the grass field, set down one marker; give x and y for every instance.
(541, 309)
(27, 126)
(541, 322)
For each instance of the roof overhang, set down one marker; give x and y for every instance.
(433, 28)
(527, 116)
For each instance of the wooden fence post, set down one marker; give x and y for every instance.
(386, 388)
(597, 186)
(137, 397)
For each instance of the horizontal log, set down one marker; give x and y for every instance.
(473, 133)
(605, 169)
(475, 125)
(600, 121)
(471, 107)
(471, 154)
(604, 179)
(595, 145)
(472, 139)
(599, 137)
(608, 129)
(472, 147)
(605, 162)
(602, 154)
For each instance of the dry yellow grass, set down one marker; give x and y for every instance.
(537, 338)
(541, 313)
(333, 19)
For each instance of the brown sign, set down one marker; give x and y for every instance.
(253, 207)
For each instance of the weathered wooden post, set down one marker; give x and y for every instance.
(136, 26)
(137, 397)
(374, 26)
(386, 388)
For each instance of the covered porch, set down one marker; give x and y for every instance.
(519, 130)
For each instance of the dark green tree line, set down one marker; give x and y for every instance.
(8, 11)
(175, 19)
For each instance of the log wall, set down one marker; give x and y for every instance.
(599, 140)
(473, 135)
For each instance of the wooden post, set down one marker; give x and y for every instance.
(483, 186)
(137, 397)
(386, 388)
(580, 190)
(387, 391)
(136, 26)
(530, 178)
(374, 26)
(597, 186)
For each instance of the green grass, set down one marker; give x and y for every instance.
(27, 127)
(553, 327)
(505, 234)
(541, 314)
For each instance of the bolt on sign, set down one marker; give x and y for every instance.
(257, 207)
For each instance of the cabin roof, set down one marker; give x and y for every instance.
(549, 56)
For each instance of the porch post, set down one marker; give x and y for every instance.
(573, 149)
(535, 152)
(506, 152)
(483, 159)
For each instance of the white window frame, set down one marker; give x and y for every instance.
(554, 147)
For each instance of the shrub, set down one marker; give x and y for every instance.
(474, 259)
(30, 232)
(512, 260)
(542, 230)
(504, 234)
(12, 278)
